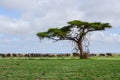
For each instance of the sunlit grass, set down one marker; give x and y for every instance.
(95, 68)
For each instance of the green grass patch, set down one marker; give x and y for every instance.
(60, 69)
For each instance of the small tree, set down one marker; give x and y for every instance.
(75, 31)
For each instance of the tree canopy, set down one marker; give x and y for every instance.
(75, 31)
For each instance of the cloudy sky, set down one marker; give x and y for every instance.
(20, 20)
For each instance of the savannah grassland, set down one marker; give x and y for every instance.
(96, 68)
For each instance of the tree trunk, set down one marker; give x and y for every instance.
(80, 47)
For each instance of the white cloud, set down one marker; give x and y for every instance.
(46, 13)
(102, 10)
(14, 26)
(105, 37)
(39, 15)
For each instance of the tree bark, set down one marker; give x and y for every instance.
(80, 47)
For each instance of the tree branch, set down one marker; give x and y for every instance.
(55, 39)
(70, 38)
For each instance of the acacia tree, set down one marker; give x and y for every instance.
(75, 31)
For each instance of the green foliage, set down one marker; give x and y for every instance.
(55, 32)
(100, 26)
(62, 33)
(59, 69)
(43, 35)
(78, 23)
(66, 29)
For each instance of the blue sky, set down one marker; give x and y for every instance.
(9, 13)
(20, 20)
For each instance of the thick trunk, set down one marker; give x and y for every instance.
(82, 54)
(80, 49)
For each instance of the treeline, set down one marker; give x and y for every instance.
(50, 55)
(34, 55)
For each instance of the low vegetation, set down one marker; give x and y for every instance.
(95, 68)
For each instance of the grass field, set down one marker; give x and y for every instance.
(98, 68)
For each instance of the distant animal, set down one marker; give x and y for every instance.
(67, 55)
(14, 55)
(101, 54)
(76, 54)
(60, 55)
(92, 55)
(8, 55)
(109, 54)
(2, 55)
